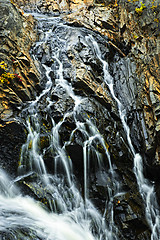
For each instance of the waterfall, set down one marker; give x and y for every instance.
(67, 212)
(72, 215)
(146, 188)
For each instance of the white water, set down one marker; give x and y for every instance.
(146, 188)
(148, 194)
(21, 212)
(72, 216)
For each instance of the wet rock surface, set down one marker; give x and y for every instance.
(134, 34)
(12, 136)
(130, 43)
(99, 108)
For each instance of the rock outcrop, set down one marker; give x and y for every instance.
(17, 36)
(19, 79)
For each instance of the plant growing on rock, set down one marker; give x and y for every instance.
(5, 76)
(140, 10)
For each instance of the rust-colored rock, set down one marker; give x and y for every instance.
(17, 36)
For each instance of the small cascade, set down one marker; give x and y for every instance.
(146, 188)
(7, 187)
(148, 194)
(24, 213)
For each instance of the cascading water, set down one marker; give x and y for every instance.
(146, 189)
(70, 214)
(71, 217)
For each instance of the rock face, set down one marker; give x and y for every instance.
(135, 35)
(133, 52)
(141, 33)
(12, 136)
(16, 38)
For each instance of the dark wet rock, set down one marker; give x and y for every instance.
(128, 215)
(12, 136)
(75, 152)
(57, 116)
(132, 227)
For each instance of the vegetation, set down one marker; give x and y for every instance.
(5, 76)
(140, 10)
(144, 4)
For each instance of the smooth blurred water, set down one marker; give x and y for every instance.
(145, 187)
(72, 215)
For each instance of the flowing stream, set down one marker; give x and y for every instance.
(70, 214)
